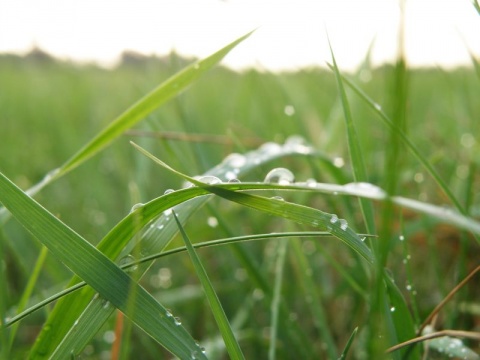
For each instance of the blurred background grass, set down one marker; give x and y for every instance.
(48, 109)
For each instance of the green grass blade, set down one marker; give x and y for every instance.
(298, 213)
(146, 105)
(118, 238)
(354, 149)
(348, 345)
(150, 258)
(277, 295)
(138, 111)
(29, 288)
(233, 348)
(406, 140)
(316, 306)
(97, 270)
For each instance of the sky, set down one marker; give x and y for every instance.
(290, 33)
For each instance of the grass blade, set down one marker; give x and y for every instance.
(119, 237)
(348, 345)
(298, 213)
(97, 270)
(277, 292)
(146, 105)
(354, 149)
(220, 317)
(138, 111)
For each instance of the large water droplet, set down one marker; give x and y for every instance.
(168, 212)
(136, 207)
(343, 224)
(168, 191)
(209, 179)
(334, 219)
(270, 148)
(177, 321)
(234, 160)
(280, 176)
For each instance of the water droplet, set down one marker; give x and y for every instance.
(280, 176)
(212, 221)
(311, 183)
(418, 178)
(297, 144)
(467, 140)
(409, 287)
(109, 337)
(289, 110)
(392, 309)
(343, 224)
(230, 175)
(105, 303)
(136, 207)
(234, 160)
(270, 149)
(177, 321)
(160, 226)
(334, 219)
(338, 162)
(278, 198)
(168, 191)
(234, 181)
(377, 107)
(401, 238)
(128, 260)
(168, 212)
(209, 179)
(187, 185)
(168, 314)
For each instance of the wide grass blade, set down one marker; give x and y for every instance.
(233, 348)
(97, 270)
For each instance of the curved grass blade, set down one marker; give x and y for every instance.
(157, 256)
(97, 270)
(298, 213)
(234, 350)
(138, 111)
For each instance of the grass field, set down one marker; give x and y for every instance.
(295, 292)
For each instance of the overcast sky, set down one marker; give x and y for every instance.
(292, 33)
